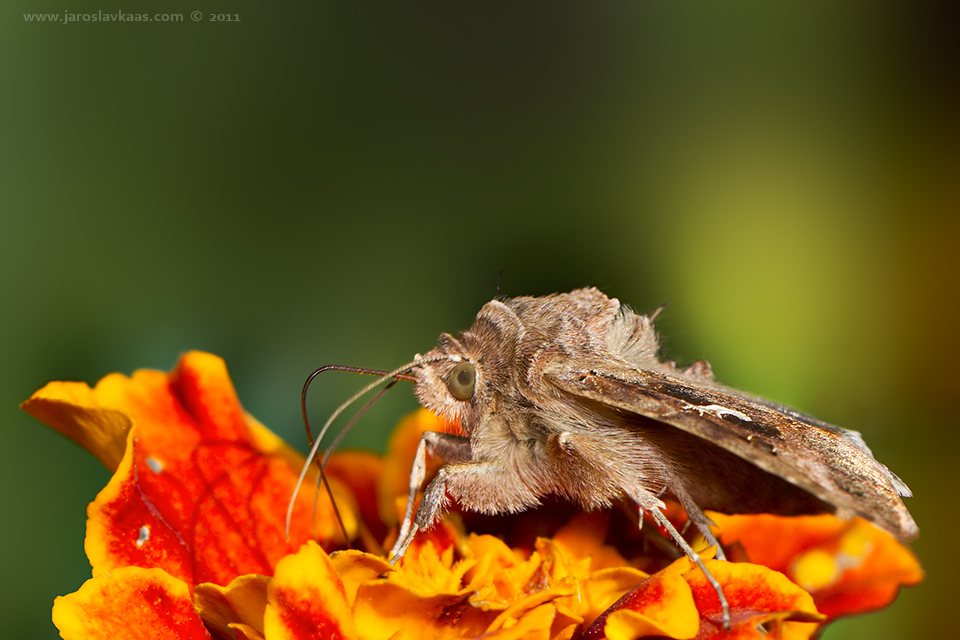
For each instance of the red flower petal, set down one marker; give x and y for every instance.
(129, 603)
(306, 599)
(661, 605)
(763, 603)
(124, 530)
(203, 488)
(678, 602)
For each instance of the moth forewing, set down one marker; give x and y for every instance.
(827, 462)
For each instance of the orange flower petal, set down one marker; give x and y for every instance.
(604, 587)
(442, 539)
(428, 567)
(239, 604)
(533, 603)
(425, 591)
(535, 623)
(774, 541)
(202, 488)
(861, 570)
(244, 632)
(583, 537)
(129, 603)
(576, 554)
(306, 599)
(385, 609)
(75, 410)
(849, 567)
(501, 575)
(662, 605)
(355, 568)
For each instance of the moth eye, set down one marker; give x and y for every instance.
(462, 380)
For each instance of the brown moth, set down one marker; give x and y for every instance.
(565, 394)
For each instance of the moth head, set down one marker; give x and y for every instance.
(450, 382)
(465, 378)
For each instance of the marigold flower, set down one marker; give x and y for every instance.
(187, 540)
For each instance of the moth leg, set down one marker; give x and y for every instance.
(485, 486)
(652, 505)
(449, 447)
(699, 520)
(695, 557)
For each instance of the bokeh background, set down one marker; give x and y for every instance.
(340, 183)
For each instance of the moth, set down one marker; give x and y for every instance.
(566, 394)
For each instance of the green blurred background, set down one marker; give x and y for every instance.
(341, 183)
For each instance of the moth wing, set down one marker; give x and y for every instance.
(830, 463)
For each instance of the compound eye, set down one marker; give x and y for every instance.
(462, 380)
